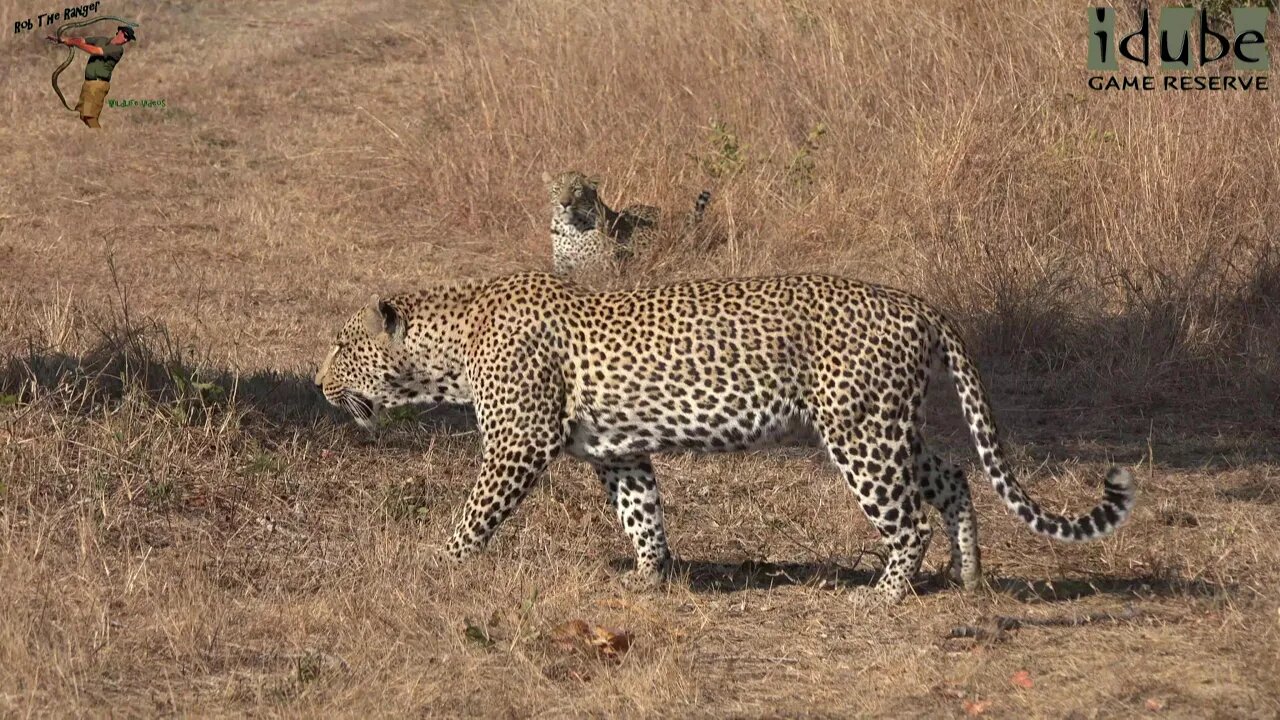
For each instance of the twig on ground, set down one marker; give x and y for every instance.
(997, 628)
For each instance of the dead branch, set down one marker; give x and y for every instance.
(997, 628)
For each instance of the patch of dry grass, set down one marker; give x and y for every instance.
(185, 529)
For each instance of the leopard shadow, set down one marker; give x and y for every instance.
(725, 576)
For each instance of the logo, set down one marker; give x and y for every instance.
(1242, 49)
(135, 103)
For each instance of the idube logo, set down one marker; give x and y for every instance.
(1245, 44)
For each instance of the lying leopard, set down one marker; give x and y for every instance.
(591, 240)
(612, 378)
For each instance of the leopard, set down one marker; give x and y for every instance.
(591, 241)
(613, 377)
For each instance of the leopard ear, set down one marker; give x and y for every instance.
(384, 321)
(546, 177)
(373, 323)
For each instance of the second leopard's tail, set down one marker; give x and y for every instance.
(699, 208)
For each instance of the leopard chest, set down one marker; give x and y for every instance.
(574, 248)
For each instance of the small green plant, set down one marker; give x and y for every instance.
(1106, 136)
(526, 606)
(477, 634)
(1074, 147)
(308, 667)
(193, 396)
(1219, 11)
(726, 156)
(8, 400)
(101, 484)
(802, 169)
(803, 16)
(161, 493)
(191, 388)
(264, 463)
(403, 415)
(406, 501)
(98, 487)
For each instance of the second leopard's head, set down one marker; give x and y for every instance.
(383, 358)
(574, 196)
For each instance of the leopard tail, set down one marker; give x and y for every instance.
(700, 205)
(1119, 492)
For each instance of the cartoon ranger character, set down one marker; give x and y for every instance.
(104, 53)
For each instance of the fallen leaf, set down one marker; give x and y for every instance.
(570, 633)
(974, 708)
(1154, 704)
(578, 635)
(611, 644)
(325, 454)
(1022, 679)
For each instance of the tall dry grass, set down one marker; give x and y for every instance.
(952, 148)
(185, 529)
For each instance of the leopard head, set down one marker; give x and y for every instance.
(367, 365)
(385, 357)
(574, 198)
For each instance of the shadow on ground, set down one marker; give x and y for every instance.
(267, 402)
(1081, 383)
(713, 576)
(1139, 587)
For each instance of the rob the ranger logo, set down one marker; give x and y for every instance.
(1246, 45)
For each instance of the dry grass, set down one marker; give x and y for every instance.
(186, 530)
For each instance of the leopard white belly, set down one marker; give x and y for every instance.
(592, 437)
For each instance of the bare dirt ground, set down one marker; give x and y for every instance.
(186, 530)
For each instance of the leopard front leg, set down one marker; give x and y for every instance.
(505, 478)
(633, 493)
(523, 432)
